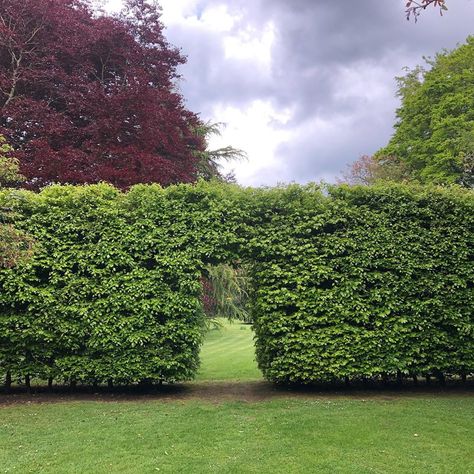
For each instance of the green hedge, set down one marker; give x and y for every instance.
(346, 282)
(113, 291)
(368, 282)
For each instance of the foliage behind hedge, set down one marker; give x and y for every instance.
(359, 282)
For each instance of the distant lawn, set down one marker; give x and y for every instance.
(228, 353)
(281, 436)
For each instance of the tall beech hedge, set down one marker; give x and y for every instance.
(113, 290)
(366, 282)
(346, 282)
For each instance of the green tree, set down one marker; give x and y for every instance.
(229, 290)
(14, 244)
(9, 170)
(434, 133)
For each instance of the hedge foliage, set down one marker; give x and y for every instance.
(346, 281)
(370, 281)
(113, 291)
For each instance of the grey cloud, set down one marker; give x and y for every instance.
(313, 157)
(209, 77)
(315, 41)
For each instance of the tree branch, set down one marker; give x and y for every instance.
(414, 8)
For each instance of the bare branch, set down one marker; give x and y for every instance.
(18, 49)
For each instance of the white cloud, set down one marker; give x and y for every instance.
(189, 13)
(110, 5)
(251, 44)
(258, 130)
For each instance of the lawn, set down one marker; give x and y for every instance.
(288, 432)
(228, 353)
(280, 436)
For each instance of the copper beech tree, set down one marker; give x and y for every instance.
(88, 97)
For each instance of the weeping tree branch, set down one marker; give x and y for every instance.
(229, 290)
(211, 161)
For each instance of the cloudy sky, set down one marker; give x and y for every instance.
(304, 86)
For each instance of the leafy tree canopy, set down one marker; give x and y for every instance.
(88, 97)
(434, 133)
(368, 170)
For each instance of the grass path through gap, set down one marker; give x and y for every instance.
(228, 354)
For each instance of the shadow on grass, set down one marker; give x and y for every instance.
(250, 391)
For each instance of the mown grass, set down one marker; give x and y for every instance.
(228, 353)
(387, 433)
(284, 436)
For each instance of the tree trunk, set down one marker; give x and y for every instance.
(399, 378)
(428, 380)
(8, 380)
(415, 380)
(50, 384)
(28, 383)
(110, 384)
(441, 379)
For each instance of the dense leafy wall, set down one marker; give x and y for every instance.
(113, 291)
(346, 282)
(369, 282)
